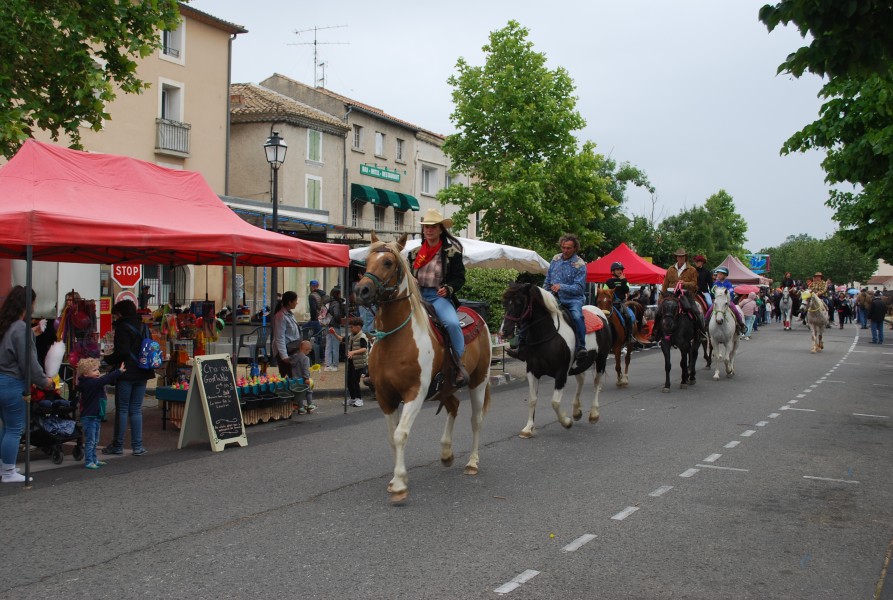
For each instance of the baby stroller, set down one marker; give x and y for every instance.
(53, 424)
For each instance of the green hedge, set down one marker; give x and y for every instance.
(487, 285)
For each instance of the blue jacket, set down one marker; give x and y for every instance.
(725, 283)
(570, 275)
(92, 392)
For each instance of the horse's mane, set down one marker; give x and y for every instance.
(547, 301)
(412, 288)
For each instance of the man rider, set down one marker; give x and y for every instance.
(567, 278)
(620, 285)
(682, 272)
(721, 281)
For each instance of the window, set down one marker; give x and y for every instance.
(358, 137)
(314, 192)
(398, 220)
(398, 154)
(429, 176)
(314, 145)
(356, 211)
(171, 102)
(172, 43)
(379, 143)
(448, 180)
(379, 217)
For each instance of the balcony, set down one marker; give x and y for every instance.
(172, 137)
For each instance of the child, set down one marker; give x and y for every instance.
(357, 348)
(301, 369)
(91, 387)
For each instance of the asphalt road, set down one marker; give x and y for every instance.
(773, 484)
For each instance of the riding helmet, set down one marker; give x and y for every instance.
(722, 270)
(617, 265)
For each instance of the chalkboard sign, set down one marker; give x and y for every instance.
(213, 389)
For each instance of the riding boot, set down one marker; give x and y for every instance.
(517, 353)
(460, 375)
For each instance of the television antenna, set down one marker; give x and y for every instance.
(318, 80)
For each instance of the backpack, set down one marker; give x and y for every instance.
(150, 356)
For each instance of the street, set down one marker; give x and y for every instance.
(773, 484)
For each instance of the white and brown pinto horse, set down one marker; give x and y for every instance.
(407, 357)
(817, 319)
(549, 342)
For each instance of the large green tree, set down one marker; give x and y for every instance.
(835, 256)
(615, 225)
(530, 179)
(851, 43)
(62, 62)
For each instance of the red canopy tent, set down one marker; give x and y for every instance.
(636, 269)
(73, 206)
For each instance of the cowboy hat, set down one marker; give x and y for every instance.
(818, 274)
(681, 252)
(433, 217)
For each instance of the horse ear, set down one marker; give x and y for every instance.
(401, 243)
(374, 237)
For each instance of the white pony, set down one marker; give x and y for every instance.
(723, 331)
(786, 306)
(817, 319)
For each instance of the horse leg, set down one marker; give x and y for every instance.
(398, 487)
(446, 440)
(479, 397)
(617, 352)
(532, 387)
(683, 364)
(565, 420)
(665, 346)
(731, 348)
(692, 361)
(578, 406)
(594, 412)
(718, 356)
(629, 357)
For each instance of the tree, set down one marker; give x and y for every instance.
(615, 225)
(834, 256)
(515, 118)
(61, 62)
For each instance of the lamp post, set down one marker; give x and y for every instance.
(275, 148)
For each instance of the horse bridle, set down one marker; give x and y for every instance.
(528, 312)
(381, 286)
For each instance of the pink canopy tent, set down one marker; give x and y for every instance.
(636, 269)
(738, 273)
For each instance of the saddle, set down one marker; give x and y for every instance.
(471, 323)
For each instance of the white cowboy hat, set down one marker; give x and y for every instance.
(433, 217)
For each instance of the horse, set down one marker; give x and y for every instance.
(549, 343)
(408, 355)
(677, 331)
(723, 331)
(786, 306)
(817, 319)
(605, 301)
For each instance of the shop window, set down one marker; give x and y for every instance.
(357, 137)
(400, 150)
(314, 145)
(314, 192)
(379, 144)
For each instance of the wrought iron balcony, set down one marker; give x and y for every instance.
(172, 137)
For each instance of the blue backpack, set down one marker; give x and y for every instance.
(150, 356)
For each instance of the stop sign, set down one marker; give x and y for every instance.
(127, 276)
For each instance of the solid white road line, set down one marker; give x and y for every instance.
(725, 468)
(881, 384)
(829, 479)
(712, 458)
(732, 444)
(748, 433)
(661, 491)
(625, 513)
(800, 409)
(577, 543)
(688, 472)
(872, 416)
(516, 582)
(835, 381)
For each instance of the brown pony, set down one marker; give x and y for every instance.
(605, 301)
(409, 354)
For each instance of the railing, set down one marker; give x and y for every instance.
(172, 136)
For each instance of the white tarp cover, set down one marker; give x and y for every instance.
(477, 253)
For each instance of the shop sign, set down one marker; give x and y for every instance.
(380, 172)
(127, 276)
(125, 295)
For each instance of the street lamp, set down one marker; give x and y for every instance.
(275, 148)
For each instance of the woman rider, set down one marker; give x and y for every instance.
(437, 266)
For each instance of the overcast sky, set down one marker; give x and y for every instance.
(684, 90)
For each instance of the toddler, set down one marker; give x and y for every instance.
(301, 369)
(91, 388)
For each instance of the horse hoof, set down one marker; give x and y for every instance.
(398, 498)
(526, 435)
(578, 414)
(567, 423)
(447, 462)
(470, 470)
(716, 377)
(666, 390)
(594, 419)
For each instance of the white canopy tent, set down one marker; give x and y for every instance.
(477, 253)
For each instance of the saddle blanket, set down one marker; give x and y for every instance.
(592, 321)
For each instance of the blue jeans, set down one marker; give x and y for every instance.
(333, 349)
(749, 321)
(90, 425)
(576, 311)
(877, 334)
(12, 411)
(129, 402)
(446, 312)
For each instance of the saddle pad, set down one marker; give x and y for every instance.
(592, 321)
(472, 324)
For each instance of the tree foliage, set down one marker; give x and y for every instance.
(61, 63)
(615, 225)
(515, 118)
(487, 285)
(836, 257)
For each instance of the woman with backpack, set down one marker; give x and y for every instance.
(130, 389)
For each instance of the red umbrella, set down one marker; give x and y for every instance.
(744, 289)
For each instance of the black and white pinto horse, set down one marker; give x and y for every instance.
(549, 343)
(723, 331)
(786, 306)
(677, 330)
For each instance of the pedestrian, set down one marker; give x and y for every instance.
(876, 315)
(748, 308)
(336, 313)
(130, 389)
(286, 333)
(842, 306)
(301, 364)
(12, 379)
(144, 297)
(91, 389)
(357, 356)
(316, 299)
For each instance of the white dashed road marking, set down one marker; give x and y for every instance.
(774, 415)
(577, 543)
(625, 513)
(800, 409)
(748, 433)
(712, 458)
(661, 491)
(762, 423)
(829, 479)
(732, 444)
(725, 468)
(688, 473)
(516, 582)
(871, 416)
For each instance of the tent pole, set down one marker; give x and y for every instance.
(235, 353)
(29, 343)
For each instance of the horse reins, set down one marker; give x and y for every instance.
(382, 287)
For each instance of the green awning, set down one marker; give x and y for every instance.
(364, 193)
(409, 202)
(389, 198)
